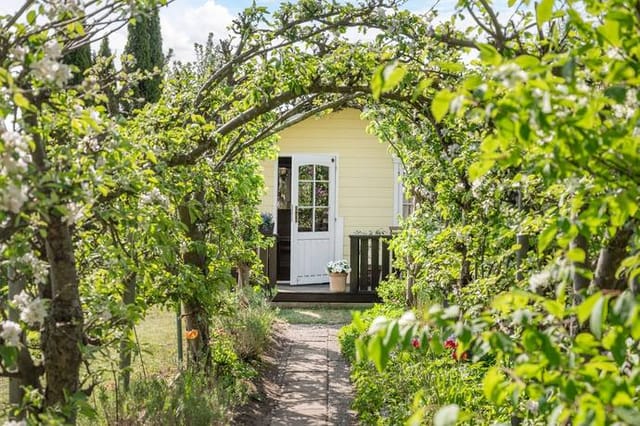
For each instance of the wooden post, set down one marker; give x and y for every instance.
(363, 285)
(375, 266)
(386, 264)
(355, 264)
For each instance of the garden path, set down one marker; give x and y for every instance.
(314, 379)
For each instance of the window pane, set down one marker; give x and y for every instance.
(322, 173)
(322, 194)
(305, 218)
(306, 172)
(305, 194)
(322, 220)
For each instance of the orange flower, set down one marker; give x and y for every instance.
(192, 334)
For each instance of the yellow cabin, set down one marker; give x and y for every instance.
(331, 180)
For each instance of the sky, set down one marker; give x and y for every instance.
(185, 22)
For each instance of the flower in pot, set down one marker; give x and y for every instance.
(338, 270)
(267, 225)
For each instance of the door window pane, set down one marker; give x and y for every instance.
(306, 172)
(322, 194)
(305, 219)
(305, 194)
(322, 220)
(313, 198)
(322, 173)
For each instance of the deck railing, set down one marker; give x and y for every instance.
(370, 262)
(268, 256)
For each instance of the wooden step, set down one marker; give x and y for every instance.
(326, 297)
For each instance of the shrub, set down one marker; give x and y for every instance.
(189, 399)
(360, 324)
(418, 379)
(249, 325)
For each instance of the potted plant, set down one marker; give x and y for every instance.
(267, 225)
(338, 271)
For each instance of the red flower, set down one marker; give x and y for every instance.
(415, 342)
(450, 343)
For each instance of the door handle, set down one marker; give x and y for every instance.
(295, 214)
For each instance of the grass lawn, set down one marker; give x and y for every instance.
(158, 341)
(323, 315)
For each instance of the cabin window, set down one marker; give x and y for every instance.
(403, 205)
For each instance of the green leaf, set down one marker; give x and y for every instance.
(584, 309)
(447, 415)
(20, 100)
(617, 93)
(9, 355)
(546, 237)
(610, 30)
(440, 104)
(492, 385)
(31, 17)
(544, 11)
(386, 78)
(629, 415)
(489, 54)
(597, 317)
(555, 308)
(479, 168)
(576, 254)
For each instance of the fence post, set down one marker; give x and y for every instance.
(355, 265)
(375, 265)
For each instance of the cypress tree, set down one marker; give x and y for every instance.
(81, 58)
(144, 42)
(105, 55)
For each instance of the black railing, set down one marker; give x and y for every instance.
(268, 257)
(370, 262)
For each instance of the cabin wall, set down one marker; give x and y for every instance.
(365, 171)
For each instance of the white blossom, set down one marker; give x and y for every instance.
(15, 423)
(75, 212)
(32, 311)
(453, 149)
(39, 269)
(18, 53)
(49, 68)
(13, 197)
(510, 75)
(10, 333)
(51, 71)
(154, 197)
(539, 280)
(456, 104)
(408, 318)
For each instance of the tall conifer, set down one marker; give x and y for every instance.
(104, 53)
(144, 42)
(81, 58)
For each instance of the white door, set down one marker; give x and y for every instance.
(313, 189)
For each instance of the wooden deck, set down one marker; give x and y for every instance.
(320, 294)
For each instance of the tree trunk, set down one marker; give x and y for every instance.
(195, 315)
(610, 258)
(29, 373)
(580, 280)
(244, 272)
(523, 242)
(197, 318)
(409, 296)
(128, 298)
(63, 328)
(465, 265)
